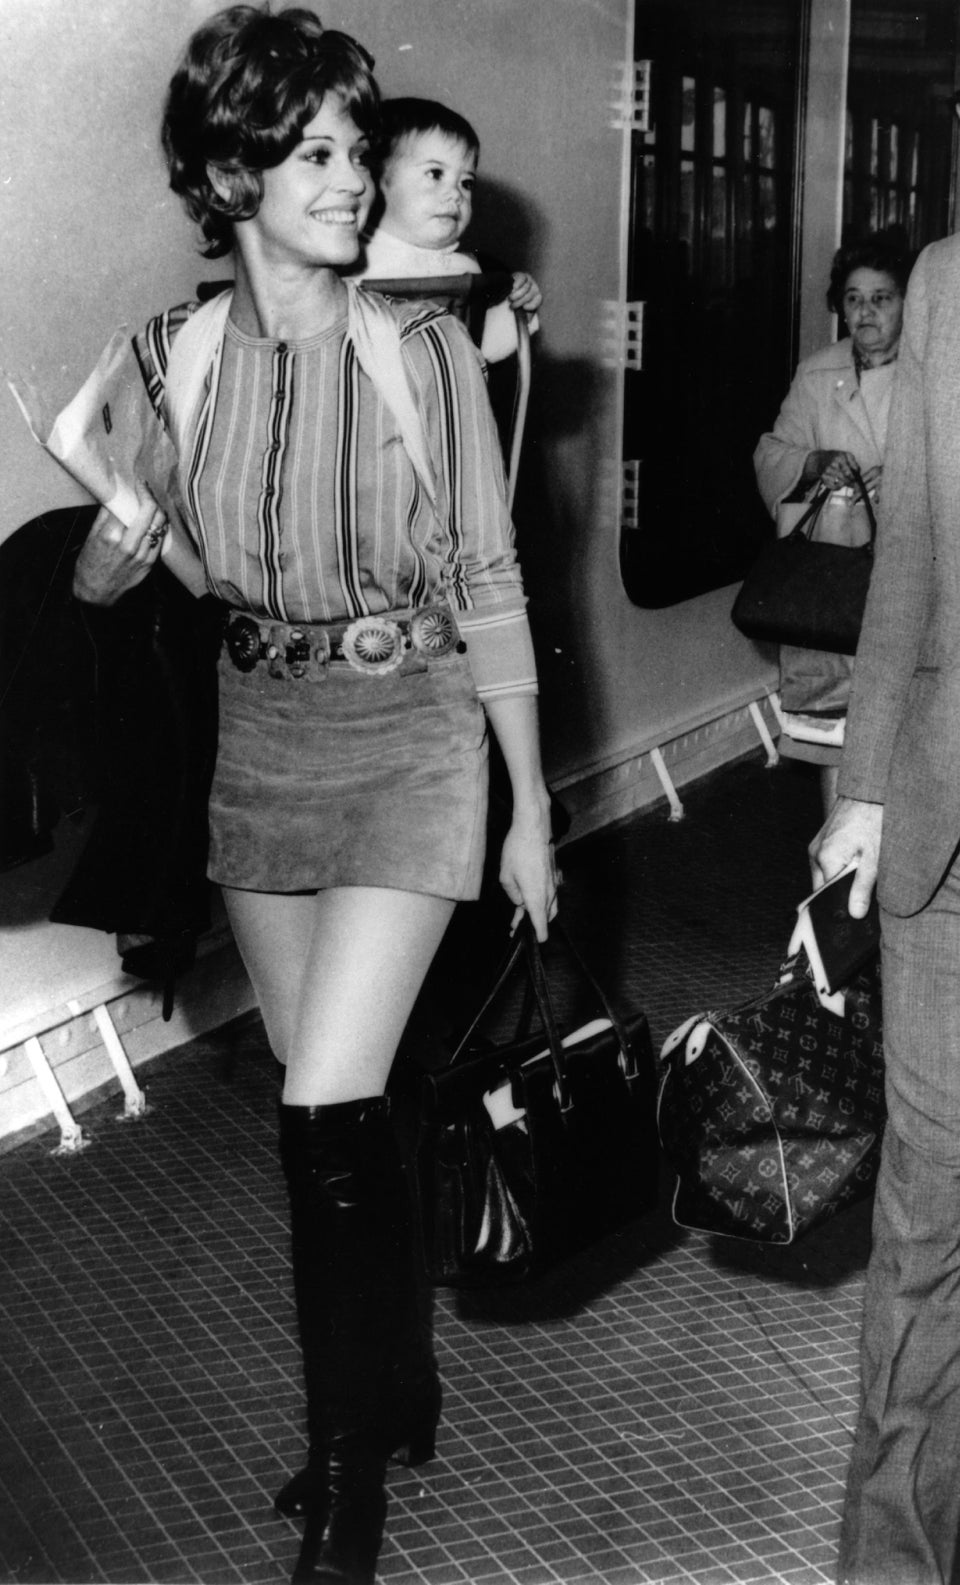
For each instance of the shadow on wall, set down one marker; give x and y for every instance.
(561, 476)
(509, 226)
(555, 508)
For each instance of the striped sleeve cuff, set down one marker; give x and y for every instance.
(500, 652)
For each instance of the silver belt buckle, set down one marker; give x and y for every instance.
(433, 632)
(373, 645)
(292, 653)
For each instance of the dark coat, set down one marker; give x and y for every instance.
(111, 708)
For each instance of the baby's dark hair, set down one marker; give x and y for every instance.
(248, 83)
(402, 118)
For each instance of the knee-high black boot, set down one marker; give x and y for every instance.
(351, 1257)
(411, 1395)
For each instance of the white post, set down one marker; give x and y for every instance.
(763, 732)
(71, 1134)
(659, 765)
(135, 1100)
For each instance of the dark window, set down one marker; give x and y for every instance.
(710, 258)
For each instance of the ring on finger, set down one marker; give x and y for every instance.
(155, 534)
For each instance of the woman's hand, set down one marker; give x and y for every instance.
(528, 863)
(836, 469)
(114, 559)
(525, 293)
(528, 870)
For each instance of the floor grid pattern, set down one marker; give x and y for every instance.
(664, 1408)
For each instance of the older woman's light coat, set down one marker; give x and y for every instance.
(823, 411)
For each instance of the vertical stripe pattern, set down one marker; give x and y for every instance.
(306, 505)
(269, 506)
(346, 504)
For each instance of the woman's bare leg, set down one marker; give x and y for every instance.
(273, 937)
(336, 975)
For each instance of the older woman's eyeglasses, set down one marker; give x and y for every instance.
(854, 300)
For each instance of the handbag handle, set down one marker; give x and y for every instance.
(526, 944)
(818, 500)
(865, 497)
(542, 992)
(813, 511)
(502, 973)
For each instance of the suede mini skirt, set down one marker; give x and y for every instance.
(350, 780)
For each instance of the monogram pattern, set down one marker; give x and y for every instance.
(772, 1114)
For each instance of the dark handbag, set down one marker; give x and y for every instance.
(532, 1149)
(772, 1115)
(807, 593)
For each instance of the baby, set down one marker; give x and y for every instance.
(428, 175)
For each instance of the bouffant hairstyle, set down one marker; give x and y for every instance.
(247, 85)
(411, 117)
(888, 251)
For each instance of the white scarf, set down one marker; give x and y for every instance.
(371, 327)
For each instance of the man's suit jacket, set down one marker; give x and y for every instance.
(903, 730)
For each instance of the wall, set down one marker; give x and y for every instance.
(92, 238)
(537, 78)
(820, 204)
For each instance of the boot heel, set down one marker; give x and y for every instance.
(415, 1420)
(419, 1449)
(302, 1491)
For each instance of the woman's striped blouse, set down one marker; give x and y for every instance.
(306, 507)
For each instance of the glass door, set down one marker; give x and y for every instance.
(900, 137)
(710, 258)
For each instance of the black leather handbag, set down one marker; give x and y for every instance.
(529, 1150)
(772, 1114)
(805, 592)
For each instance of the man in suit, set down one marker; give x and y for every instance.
(898, 818)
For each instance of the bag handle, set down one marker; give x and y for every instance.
(525, 944)
(541, 989)
(813, 511)
(502, 973)
(865, 497)
(808, 522)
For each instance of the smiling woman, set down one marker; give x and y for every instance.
(335, 466)
(314, 202)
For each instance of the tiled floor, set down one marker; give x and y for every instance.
(666, 1407)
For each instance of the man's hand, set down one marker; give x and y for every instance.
(851, 834)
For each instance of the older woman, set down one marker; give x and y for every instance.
(339, 478)
(833, 423)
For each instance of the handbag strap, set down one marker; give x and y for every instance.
(526, 945)
(817, 502)
(502, 973)
(865, 497)
(538, 977)
(808, 522)
(594, 984)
